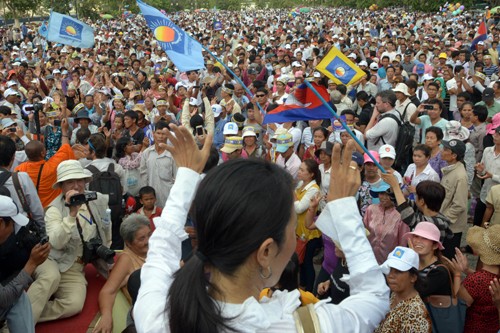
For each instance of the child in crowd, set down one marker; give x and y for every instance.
(147, 197)
(130, 161)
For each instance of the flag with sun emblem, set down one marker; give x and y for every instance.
(337, 67)
(69, 31)
(184, 51)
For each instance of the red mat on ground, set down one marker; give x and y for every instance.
(80, 322)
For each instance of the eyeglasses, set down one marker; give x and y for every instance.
(260, 95)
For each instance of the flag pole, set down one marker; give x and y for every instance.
(351, 133)
(234, 75)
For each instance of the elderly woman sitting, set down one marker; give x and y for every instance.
(135, 232)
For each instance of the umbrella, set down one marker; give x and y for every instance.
(495, 10)
(106, 16)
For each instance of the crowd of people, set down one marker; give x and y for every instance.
(102, 151)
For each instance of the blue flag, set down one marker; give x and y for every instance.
(43, 30)
(69, 31)
(339, 68)
(184, 51)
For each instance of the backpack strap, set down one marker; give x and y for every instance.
(39, 176)
(391, 116)
(20, 193)
(306, 319)
(92, 169)
(111, 167)
(4, 176)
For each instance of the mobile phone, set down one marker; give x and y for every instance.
(199, 130)
(57, 122)
(12, 129)
(44, 240)
(428, 107)
(196, 87)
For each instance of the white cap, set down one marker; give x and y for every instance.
(230, 128)
(11, 83)
(374, 66)
(9, 209)
(288, 47)
(193, 101)
(217, 110)
(9, 92)
(352, 55)
(387, 151)
(427, 77)
(296, 64)
(179, 84)
(164, 59)
(317, 74)
(401, 258)
(249, 48)
(56, 71)
(363, 63)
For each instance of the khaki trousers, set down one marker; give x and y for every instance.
(56, 295)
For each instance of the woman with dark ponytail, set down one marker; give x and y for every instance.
(245, 223)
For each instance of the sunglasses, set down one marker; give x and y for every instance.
(260, 95)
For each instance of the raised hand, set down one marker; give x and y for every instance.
(184, 149)
(345, 176)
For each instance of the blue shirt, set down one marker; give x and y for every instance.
(218, 133)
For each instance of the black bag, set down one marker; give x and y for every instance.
(404, 142)
(108, 182)
(447, 312)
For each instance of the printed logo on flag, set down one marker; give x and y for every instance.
(70, 29)
(218, 25)
(341, 70)
(165, 33)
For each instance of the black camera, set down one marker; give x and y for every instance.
(29, 108)
(81, 199)
(94, 249)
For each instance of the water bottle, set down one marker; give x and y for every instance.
(106, 220)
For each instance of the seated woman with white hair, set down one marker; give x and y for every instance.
(135, 231)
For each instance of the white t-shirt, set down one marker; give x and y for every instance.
(452, 84)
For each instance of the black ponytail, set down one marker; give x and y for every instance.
(238, 205)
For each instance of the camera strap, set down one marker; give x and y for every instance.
(20, 193)
(92, 218)
(78, 226)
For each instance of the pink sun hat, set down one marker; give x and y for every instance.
(428, 231)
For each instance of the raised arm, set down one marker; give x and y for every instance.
(164, 253)
(341, 221)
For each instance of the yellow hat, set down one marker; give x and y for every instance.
(232, 143)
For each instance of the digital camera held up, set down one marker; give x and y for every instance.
(80, 199)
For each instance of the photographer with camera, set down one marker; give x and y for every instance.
(18, 263)
(79, 234)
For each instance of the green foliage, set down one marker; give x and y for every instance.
(229, 5)
(20, 8)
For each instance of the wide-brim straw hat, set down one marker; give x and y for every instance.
(486, 243)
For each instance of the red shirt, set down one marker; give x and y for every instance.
(156, 213)
(482, 315)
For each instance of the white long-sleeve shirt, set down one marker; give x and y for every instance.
(361, 312)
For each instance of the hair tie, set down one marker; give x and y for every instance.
(201, 256)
